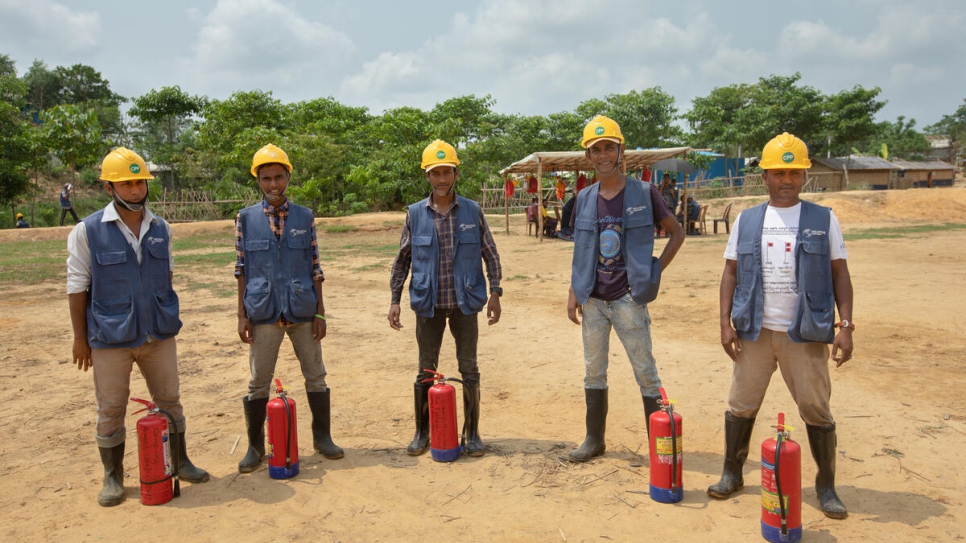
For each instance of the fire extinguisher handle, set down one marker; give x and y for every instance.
(148, 406)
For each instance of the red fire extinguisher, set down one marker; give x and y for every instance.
(667, 464)
(443, 441)
(154, 455)
(283, 438)
(781, 487)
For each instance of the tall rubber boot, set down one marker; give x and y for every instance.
(652, 404)
(255, 423)
(471, 419)
(112, 493)
(321, 425)
(596, 421)
(821, 439)
(420, 443)
(737, 438)
(186, 470)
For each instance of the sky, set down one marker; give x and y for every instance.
(533, 57)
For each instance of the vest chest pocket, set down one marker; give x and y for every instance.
(110, 258)
(585, 232)
(746, 258)
(815, 257)
(256, 244)
(422, 247)
(300, 241)
(639, 229)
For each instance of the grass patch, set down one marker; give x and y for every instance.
(516, 278)
(901, 232)
(204, 242)
(32, 262)
(217, 289)
(340, 229)
(222, 258)
(369, 267)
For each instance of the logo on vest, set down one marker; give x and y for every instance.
(467, 226)
(808, 232)
(297, 232)
(633, 210)
(152, 239)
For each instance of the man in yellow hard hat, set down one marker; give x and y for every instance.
(446, 241)
(785, 272)
(124, 310)
(21, 222)
(615, 275)
(280, 293)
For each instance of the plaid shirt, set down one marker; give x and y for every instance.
(276, 221)
(445, 227)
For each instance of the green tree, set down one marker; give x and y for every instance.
(16, 152)
(43, 86)
(900, 138)
(646, 118)
(723, 120)
(225, 121)
(74, 135)
(163, 117)
(850, 119)
(953, 126)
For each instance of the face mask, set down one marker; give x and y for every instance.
(130, 206)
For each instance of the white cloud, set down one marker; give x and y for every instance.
(264, 44)
(44, 24)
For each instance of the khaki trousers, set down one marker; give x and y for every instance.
(804, 368)
(158, 363)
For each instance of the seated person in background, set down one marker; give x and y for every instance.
(21, 222)
(532, 213)
(549, 223)
(669, 191)
(693, 209)
(566, 228)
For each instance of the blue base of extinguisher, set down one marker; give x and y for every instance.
(775, 534)
(446, 455)
(279, 472)
(666, 495)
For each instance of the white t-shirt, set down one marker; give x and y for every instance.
(778, 237)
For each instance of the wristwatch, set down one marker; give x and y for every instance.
(497, 290)
(845, 323)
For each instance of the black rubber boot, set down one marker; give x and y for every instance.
(652, 404)
(593, 444)
(255, 422)
(420, 443)
(321, 425)
(471, 419)
(112, 493)
(185, 469)
(737, 438)
(821, 439)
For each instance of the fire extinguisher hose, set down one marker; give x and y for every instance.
(288, 432)
(778, 484)
(175, 452)
(674, 450)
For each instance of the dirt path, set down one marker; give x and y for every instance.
(900, 405)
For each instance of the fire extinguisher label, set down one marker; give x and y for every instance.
(663, 446)
(769, 501)
(166, 440)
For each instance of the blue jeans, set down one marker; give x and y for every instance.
(633, 326)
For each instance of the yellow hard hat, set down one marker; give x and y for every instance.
(785, 152)
(19, 216)
(439, 153)
(123, 164)
(270, 154)
(601, 128)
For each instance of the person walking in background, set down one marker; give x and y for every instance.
(785, 272)
(65, 204)
(280, 293)
(446, 241)
(123, 310)
(615, 275)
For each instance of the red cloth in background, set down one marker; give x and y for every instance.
(509, 188)
(532, 185)
(581, 182)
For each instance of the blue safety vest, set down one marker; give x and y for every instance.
(278, 271)
(470, 282)
(129, 301)
(814, 315)
(637, 243)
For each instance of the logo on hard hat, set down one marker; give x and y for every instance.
(440, 154)
(135, 168)
(599, 130)
(788, 157)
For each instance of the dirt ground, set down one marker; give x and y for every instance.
(900, 404)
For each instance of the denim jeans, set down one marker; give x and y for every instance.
(633, 326)
(465, 330)
(263, 354)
